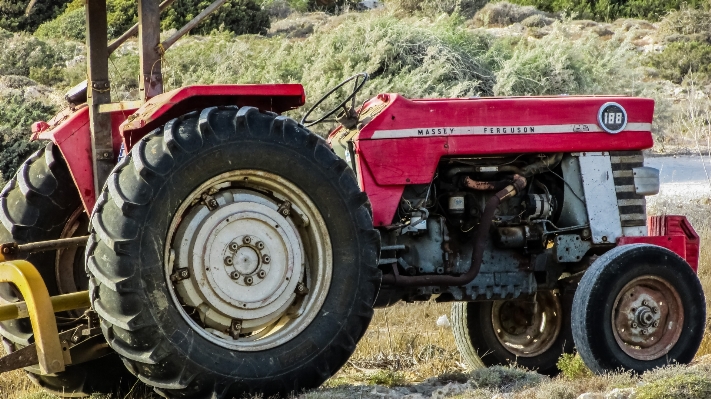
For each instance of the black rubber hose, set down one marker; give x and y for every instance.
(519, 183)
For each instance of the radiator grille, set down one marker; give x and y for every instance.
(633, 206)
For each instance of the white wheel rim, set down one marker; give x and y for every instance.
(248, 260)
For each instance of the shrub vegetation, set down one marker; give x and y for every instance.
(609, 10)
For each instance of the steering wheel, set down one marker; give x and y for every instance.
(359, 78)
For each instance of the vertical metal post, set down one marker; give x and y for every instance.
(98, 91)
(151, 83)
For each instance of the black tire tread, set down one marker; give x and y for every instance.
(127, 324)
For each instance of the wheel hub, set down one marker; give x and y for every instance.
(528, 328)
(246, 263)
(647, 318)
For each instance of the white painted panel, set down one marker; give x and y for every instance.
(600, 197)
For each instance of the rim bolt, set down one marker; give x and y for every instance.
(634, 325)
(234, 275)
(248, 280)
(656, 323)
(655, 309)
(266, 259)
(644, 332)
(228, 261)
(247, 239)
(260, 245)
(645, 303)
(262, 274)
(233, 246)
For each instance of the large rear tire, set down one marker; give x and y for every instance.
(638, 307)
(530, 334)
(40, 203)
(233, 253)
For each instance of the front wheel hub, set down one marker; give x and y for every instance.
(247, 262)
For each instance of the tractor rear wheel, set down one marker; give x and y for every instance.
(233, 253)
(40, 203)
(638, 307)
(532, 334)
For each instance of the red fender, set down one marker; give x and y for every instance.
(71, 132)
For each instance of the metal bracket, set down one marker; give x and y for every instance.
(180, 274)
(570, 248)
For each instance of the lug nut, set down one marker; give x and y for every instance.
(247, 239)
(655, 310)
(260, 245)
(634, 325)
(262, 274)
(644, 332)
(248, 280)
(233, 246)
(228, 261)
(234, 275)
(645, 303)
(656, 323)
(266, 259)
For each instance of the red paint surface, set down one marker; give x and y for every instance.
(70, 128)
(162, 108)
(395, 162)
(672, 232)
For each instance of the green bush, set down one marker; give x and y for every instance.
(466, 8)
(20, 53)
(387, 378)
(16, 116)
(13, 18)
(236, 16)
(679, 59)
(571, 366)
(70, 25)
(607, 10)
(557, 64)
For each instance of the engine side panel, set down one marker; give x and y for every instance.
(403, 143)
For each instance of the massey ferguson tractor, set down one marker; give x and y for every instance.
(203, 243)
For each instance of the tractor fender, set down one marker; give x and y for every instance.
(70, 129)
(164, 107)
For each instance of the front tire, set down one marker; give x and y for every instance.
(638, 307)
(190, 249)
(532, 334)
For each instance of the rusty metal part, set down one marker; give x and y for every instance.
(528, 328)
(647, 317)
(151, 78)
(485, 185)
(519, 183)
(12, 250)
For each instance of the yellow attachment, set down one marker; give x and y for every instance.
(60, 303)
(40, 309)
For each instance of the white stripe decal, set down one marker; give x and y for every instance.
(489, 130)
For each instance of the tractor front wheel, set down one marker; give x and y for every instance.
(529, 333)
(233, 253)
(638, 307)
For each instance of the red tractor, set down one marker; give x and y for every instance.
(226, 249)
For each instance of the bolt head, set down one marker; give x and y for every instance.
(260, 245)
(262, 274)
(634, 325)
(266, 259)
(656, 323)
(644, 332)
(233, 246)
(247, 239)
(248, 280)
(234, 275)
(645, 303)
(228, 261)
(184, 273)
(655, 310)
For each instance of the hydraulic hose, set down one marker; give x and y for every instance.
(518, 184)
